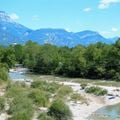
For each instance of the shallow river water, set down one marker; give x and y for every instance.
(107, 113)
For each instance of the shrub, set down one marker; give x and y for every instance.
(2, 103)
(64, 91)
(78, 97)
(4, 74)
(44, 116)
(15, 89)
(96, 91)
(59, 110)
(39, 97)
(45, 86)
(83, 86)
(117, 76)
(21, 108)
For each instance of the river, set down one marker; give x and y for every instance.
(105, 113)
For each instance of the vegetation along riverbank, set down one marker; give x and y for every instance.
(57, 98)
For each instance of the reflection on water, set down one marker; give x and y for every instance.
(107, 113)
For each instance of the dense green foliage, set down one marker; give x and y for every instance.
(7, 60)
(96, 61)
(59, 110)
(96, 91)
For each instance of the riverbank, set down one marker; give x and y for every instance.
(83, 111)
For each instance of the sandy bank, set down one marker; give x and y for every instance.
(83, 111)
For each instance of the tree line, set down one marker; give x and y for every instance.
(96, 61)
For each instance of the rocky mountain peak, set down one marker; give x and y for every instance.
(5, 17)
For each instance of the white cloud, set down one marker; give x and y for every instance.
(88, 9)
(107, 33)
(106, 3)
(14, 16)
(114, 29)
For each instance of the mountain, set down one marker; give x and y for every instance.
(58, 37)
(12, 32)
(61, 37)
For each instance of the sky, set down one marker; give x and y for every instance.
(102, 16)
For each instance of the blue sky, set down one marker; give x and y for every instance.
(73, 15)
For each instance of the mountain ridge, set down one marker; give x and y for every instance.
(13, 32)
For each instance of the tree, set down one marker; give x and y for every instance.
(19, 53)
(30, 52)
(9, 57)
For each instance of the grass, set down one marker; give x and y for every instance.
(23, 99)
(78, 80)
(64, 92)
(59, 110)
(108, 83)
(77, 97)
(14, 89)
(40, 98)
(2, 103)
(21, 108)
(96, 91)
(51, 87)
(44, 116)
(99, 82)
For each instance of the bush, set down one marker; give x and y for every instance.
(45, 86)
(64, 91)
(4, 74)
(83, 86)
(117, 76)
(44, 116)
(96, 91)
(21, 108)
(40, 98)
(77, 97)
(15, 89)
(2, 103)
(59, 110)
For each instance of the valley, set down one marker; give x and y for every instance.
(59, 60)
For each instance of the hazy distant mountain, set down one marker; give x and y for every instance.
(61, 37)
(58, 37)
(12, 32)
